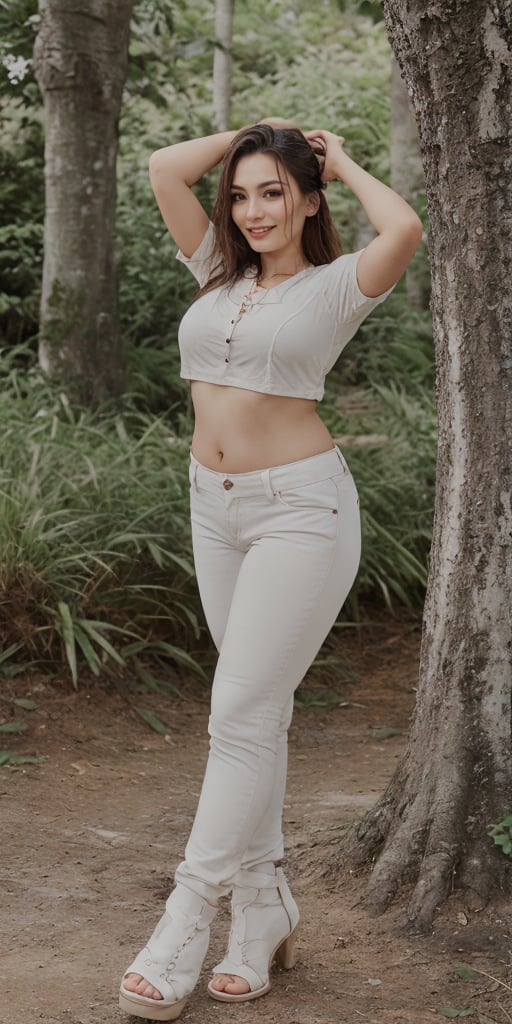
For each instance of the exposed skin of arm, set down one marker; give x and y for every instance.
(172, 172)
(399, 229)
(174, 169)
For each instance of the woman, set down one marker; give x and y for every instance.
(274, 510)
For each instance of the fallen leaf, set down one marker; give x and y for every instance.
(449, 1011)
(25, 703)
(153, 722)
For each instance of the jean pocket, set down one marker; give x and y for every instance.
(316, 497)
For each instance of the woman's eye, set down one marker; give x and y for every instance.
(236, 197)
(273, 193)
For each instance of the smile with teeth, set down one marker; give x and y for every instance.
(259, 232)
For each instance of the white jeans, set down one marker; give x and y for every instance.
(276, 552)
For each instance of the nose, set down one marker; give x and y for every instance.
(254, 207)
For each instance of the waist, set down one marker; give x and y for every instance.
(272, 479)
(240, 430)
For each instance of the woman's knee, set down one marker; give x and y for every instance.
(241, 722)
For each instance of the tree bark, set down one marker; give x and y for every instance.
(407, 176)
(80, 61)
(222, 63)
(455, 779)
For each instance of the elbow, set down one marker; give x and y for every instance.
(413, 231)
(155, 162)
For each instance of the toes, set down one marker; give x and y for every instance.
(136, 983)
(131, 981)
(231, 984)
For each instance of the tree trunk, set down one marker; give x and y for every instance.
(222, 63)
(430, 827)
(407, 176)
(80, 61)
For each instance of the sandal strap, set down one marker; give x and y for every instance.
(248, 879)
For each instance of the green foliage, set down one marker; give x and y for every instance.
(153, 721)
(21, 225)
(501, 835)
(18, 23)
(388, 437)
(95, 561)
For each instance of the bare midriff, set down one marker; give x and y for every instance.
(237, 430)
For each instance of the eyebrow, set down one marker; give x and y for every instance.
(263, 184)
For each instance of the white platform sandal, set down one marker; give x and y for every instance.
(264, 929)
(173, 957)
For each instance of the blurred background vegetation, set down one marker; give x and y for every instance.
(95, 558)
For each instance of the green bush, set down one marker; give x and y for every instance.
(94, 531)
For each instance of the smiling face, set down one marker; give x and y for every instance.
(268, 207)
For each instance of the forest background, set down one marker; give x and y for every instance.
(95, 551)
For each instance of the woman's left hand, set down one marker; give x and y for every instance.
(328, 145)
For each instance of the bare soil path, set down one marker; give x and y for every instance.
(90, 839)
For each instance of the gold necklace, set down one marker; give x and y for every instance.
(247, 302)
(246, 305)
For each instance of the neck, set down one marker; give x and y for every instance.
(279, 268)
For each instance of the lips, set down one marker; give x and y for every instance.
(260, 232)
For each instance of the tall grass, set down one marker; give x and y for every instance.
(94, 537)
(379, 405)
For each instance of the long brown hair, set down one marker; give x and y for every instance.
(293, 155)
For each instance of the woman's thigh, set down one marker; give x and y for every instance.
(289, 588)
(217, 564)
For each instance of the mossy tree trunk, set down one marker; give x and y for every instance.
(80, 61)
(430, 826)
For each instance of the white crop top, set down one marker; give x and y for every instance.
(287, 342)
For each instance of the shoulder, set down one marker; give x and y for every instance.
(205, 260)
(340, 287)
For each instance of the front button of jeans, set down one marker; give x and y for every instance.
(227, 485)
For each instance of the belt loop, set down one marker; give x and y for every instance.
(267, 486)
(341, 458)
(192, 472)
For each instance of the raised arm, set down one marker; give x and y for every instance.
(398, 228)
(174, 169)
(172, 172)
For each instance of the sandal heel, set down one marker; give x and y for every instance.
(286, 954)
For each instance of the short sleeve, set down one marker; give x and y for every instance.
(201, 263)
(342, 292)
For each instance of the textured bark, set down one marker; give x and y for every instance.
(222, 63)
(430, 827)
(407, 176)
(80, 60)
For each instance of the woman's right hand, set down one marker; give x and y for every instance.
(328, 146)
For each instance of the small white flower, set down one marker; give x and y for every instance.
(17, 68)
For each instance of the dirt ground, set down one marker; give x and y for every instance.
(91, 836)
